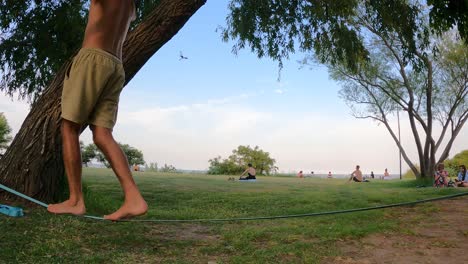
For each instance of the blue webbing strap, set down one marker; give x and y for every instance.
(11, 211)
(23, 196)
(254, 218)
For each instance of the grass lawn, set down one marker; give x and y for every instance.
(43, 238)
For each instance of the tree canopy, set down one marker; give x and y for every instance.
(447, 13)
(37, 37)
(167, 168)
(236, 163)
(278, 28)
(134, 155)
(91, 151)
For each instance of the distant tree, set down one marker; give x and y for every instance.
(226, 166)
(82, 146)
(238, 160)
(101, 158)
(153, 166)
(88, 153)
(134, 156)
(168, 168)
(5, 131)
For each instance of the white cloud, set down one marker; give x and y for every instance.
(281, 87)
(279, 91)
(188, 135)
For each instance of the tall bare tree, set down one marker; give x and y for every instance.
(430, 88)
(386, 46)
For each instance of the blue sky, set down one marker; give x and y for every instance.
(184, 112)
(213, 71)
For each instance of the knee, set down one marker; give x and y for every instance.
(69, 128)
(101, 137)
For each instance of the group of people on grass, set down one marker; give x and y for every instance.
(300, 174)
(442, 178)
(357, 174)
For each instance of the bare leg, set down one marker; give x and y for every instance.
(134, 203)
(72, 161)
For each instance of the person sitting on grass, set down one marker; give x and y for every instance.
(300, 174)
(357, 175)
(386, 175)
(250, 171)
(441, 176)
(462, 179)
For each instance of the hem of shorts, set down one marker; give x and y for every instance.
(104, 124)
(72, 119)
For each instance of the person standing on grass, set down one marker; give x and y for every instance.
(462, 179)
(356, 175)
(251, 172)
(91, 91)
(441, 176)
(372, 174)
(330, 175)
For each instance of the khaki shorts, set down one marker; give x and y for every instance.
(92, 87)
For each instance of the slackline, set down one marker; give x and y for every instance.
(249, 218)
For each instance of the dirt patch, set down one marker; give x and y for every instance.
(184, 240)
(185, 232)
(439, 237)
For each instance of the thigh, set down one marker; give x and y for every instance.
(82, 88)
(106, 108)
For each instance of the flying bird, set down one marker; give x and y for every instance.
(182, 57)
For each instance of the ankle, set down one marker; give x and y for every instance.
(75, 200)
(133, 196)
(131, 191)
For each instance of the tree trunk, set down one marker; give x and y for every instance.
(33, 163)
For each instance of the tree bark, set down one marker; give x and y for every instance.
(33, 163)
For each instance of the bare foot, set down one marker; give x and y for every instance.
(132, 207)
(68, 207)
